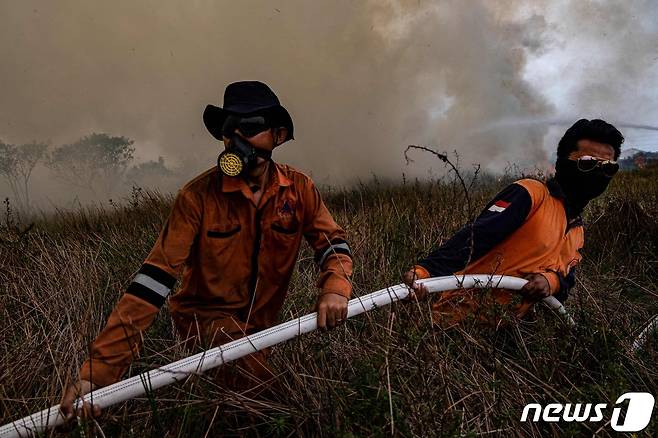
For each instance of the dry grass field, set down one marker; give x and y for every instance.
(388, 372)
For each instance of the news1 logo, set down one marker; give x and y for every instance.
(637, 416)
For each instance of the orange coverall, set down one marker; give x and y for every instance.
(523, 230)
(236, 261)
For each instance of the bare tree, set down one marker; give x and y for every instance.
(16, 166)
(94, 162)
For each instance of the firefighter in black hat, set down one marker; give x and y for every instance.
(232, 240)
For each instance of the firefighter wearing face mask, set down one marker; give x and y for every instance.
(531, 229)
(232, 240)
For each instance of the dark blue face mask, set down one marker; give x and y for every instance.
(580, 186)
(240, 156)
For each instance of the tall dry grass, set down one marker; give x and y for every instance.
(388, 372)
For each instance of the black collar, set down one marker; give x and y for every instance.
(556, 191)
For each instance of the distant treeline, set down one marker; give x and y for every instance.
(639, 160)
(96, 163)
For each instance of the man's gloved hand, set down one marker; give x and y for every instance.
(332, 310)
(71, 394)
(537, 287)
(417, 291)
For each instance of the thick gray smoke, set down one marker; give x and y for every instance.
(362, 79)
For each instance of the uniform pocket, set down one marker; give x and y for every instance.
(283, 241)
(223, 232)
(280, 229)
(219, 249)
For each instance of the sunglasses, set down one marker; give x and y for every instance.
(248, 126)
(588, 164)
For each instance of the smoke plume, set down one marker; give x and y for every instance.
(361, 79)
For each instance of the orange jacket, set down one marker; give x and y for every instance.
(541, 241)
(236, 261)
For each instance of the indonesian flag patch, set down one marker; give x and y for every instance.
(499, 206)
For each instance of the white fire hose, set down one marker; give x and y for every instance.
(199, 363)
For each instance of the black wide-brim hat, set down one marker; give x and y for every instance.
(247, 98)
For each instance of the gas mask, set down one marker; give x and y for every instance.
(240, 157)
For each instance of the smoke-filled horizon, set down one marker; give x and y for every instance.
(362, 80)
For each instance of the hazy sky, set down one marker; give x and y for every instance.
(362, 79)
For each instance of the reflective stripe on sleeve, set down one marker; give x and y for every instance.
(338, 248)
(150, 283)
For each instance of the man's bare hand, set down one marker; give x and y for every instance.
(332, 310)
(71, 394)
(537, 287)
(417, 291)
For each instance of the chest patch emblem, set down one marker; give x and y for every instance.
(286, 212)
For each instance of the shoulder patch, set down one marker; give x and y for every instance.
(499, 206)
